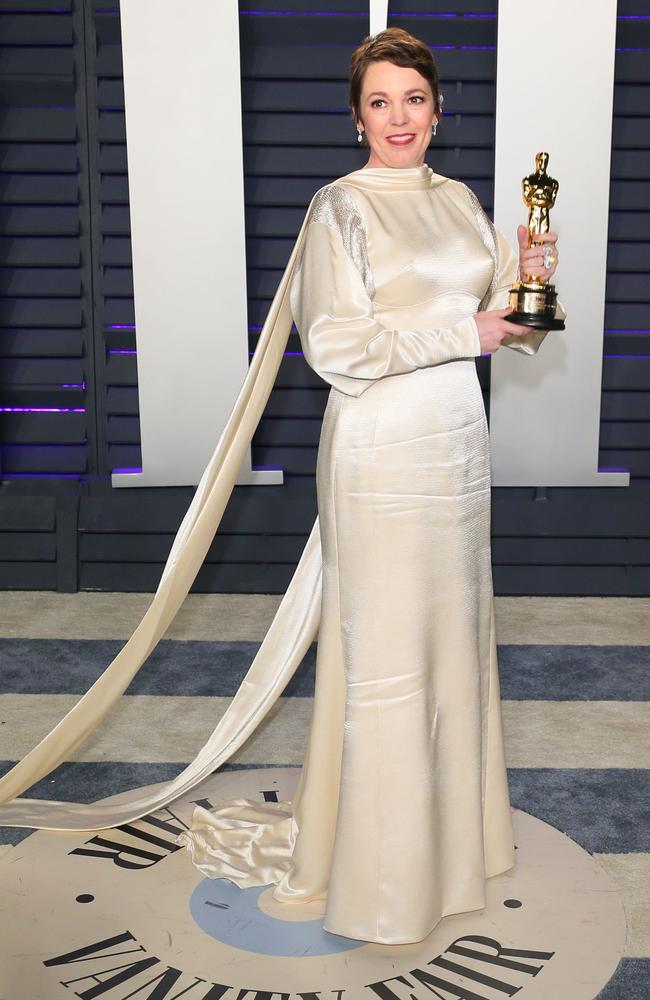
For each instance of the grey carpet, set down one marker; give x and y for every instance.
(192, 667)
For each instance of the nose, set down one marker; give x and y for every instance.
(399, 115)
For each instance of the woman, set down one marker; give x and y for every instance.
(402, 809)
(396, 283)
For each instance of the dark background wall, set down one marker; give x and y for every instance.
(68, 380)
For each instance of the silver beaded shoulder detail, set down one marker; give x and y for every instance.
(489, 237)
(335, 207)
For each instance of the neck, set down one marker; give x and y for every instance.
(394, 178)
(374, 161)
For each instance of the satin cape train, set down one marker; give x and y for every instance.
(293, 629)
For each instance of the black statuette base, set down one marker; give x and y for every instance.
(536, 320)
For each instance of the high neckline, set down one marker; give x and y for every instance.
(395, 178)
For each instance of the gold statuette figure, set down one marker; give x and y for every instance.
(532, 298)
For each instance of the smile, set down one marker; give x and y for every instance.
(401, 140)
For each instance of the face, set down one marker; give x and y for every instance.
(397, 113)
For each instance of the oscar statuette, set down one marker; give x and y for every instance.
(532, 298)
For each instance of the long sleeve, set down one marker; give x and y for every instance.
(331, 301)
(527, 343)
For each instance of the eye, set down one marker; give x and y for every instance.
(380, 100)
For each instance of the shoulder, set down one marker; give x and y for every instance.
(474, 201)
(334, 205)
(473, 209)
(481, 216)
(463, 193)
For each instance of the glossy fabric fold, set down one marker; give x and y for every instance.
(254, 841)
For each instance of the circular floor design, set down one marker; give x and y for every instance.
(76, 923)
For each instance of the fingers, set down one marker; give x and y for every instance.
(533, 254)
(518, 328)
(522, 236)
(532, 262)
(539, 238)
(548, 237)
(522, 231)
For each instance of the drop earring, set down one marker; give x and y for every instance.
(359, 134)
(440, 102)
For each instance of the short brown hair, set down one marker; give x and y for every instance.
(398, 46)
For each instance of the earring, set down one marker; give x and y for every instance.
(434, 127)
(359, 134)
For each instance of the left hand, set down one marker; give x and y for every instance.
(531, 260)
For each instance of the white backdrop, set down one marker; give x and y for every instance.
(555, 90)
(186, 192)
(184, 142)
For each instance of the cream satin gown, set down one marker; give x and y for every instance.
(402, 808)
(401, 811)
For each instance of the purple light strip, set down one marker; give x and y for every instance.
(459, 17)
(73, 385)
(306, 13)
(619, 330)
(286, 354)
(42, 409)
(355, 13)
(112, 351)
(328, 13)
(119, 326)
(41, 475)
(127, 471)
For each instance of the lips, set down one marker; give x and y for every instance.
(401, 139)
